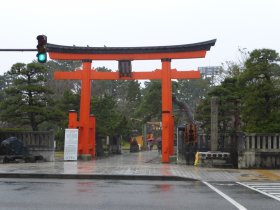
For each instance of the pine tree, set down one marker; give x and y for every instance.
(27, 101)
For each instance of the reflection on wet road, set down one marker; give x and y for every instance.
(120, 194)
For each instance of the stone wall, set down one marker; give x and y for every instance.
(37, 142)
(259, 151)
(247, 150)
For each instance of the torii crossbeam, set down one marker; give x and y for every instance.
(86, 123)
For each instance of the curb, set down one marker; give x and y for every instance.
(95, 176)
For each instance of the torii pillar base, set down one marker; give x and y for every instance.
(86, 146)
(87, 157)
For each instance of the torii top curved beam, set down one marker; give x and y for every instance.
(195, 50)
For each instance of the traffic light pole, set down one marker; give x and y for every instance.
(17, 50)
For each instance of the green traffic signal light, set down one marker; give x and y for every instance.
(41, 48)
(42, 57)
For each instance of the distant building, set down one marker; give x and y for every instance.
(210, 71)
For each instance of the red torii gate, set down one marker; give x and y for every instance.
(86, 122)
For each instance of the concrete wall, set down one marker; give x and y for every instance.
(38, 143)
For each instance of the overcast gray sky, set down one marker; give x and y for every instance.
(235, 24)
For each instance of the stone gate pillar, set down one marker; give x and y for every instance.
(214, 123)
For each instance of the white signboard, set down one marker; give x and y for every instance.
(71, 144)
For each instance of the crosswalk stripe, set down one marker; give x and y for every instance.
(265, 183)
(261, 189)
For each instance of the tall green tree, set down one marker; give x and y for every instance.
(128, 96)
(229, 95)
(109, 122)
(3, 85)
(103, 87)
(27, 101)
(249, 96)
(58, 87)
(188, 93)
(192, 91)
(261, 92)
(150, 107)
(131, 101)
(228, 107)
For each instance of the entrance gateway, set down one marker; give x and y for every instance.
(86, 122)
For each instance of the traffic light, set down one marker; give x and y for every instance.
(41, 48)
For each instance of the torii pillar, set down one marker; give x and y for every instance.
(166, 91)
(86, 122)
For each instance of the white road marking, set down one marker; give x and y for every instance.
(268, 187)
(264, 183)
(237, 205)
(268, 192)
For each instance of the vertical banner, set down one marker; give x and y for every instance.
(71, 144)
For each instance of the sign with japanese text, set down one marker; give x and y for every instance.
(71, 144)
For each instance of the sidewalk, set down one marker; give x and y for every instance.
(144, 165)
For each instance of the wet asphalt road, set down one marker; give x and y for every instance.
(127, 195)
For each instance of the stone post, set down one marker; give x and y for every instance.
(214, 123)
